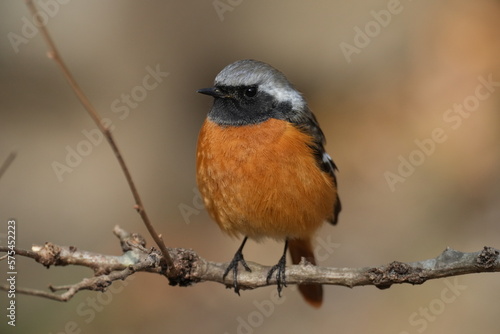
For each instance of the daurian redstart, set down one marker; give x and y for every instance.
(262, 169)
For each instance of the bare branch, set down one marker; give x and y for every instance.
(107, 268)
(98, 283)
(447, 264)
(139, 206)
(191, 268)
(7, 162)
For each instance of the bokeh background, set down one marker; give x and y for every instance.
(373, 104)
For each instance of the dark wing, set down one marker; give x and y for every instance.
(308, 124)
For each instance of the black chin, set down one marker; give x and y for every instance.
(226, 112)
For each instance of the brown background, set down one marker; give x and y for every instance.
(394, 91)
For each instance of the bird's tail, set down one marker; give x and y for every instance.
(302, 248)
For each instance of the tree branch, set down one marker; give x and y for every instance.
(7, 162)
(191, 268)
(139, 206)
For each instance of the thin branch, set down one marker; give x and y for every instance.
(7, 162)
(139, 206)
(107, 268)
(192, 269)
(98, 283)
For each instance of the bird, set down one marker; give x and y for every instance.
(262, 169)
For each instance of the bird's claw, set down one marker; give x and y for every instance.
(279, 268)
(233, 265)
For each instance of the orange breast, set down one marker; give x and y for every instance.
(262, 180)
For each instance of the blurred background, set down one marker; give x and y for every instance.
(383, 78)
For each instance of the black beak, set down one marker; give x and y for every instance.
(212, 91)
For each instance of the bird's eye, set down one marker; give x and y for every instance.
(250, 91)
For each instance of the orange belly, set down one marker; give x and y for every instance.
(262, 180)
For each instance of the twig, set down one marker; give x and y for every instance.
(98, 283)
(191, 268)
(54, 54)
(7, 162)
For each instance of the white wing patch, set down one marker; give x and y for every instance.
(327, 159)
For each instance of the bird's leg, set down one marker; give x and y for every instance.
(280, 271)
(233, 265)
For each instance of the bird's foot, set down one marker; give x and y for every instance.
(233, 265)
(279, 268)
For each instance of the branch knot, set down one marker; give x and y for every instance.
(395, 272)
(185, 263)
(48, 254)
(487, 258)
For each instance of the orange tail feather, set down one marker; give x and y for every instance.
(299, 248)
